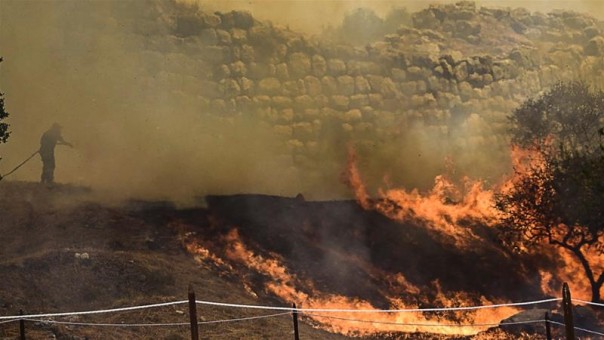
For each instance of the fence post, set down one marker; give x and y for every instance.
(567, 305)
(21, 326)
(548, 328)
(193, 314)
(295, 317)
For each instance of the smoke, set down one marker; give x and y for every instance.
(138, 128)
(126, 91)
(311, 16)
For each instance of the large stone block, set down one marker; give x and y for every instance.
(336, 67)
(313, 85)
(361, 85)
(340, 102)
(299, 65)
(330, 85)
(229, 88)
(238, 69)
(346, 85)
(208, 36)
(304, 102)
(258, 70)
(358, 101)
(269, 86)
(319, 65)
(282, 71)
(282, 102)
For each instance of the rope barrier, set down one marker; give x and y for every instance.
(577, 328)
(410, 310)
(288, 309)
(588, 302)
(114, 310)
(427, 324)
(8, 321)
(153, 324)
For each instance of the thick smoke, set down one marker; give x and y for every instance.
(132, 114)
(126, 90)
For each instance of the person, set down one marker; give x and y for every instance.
(49, 140)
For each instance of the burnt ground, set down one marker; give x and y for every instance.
(136, 256)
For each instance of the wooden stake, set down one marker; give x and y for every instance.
(295, 317)
(548, 328)
(21, 327)
(567, 305)
(193, 314)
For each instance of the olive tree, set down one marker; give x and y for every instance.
(560, 198)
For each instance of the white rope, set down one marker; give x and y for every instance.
(588, 302)
(326, 310)
(428, 324)
(577, 328)
(114, 310)
(108, 324)
(8, 321)
(246, 319)
(152, 324)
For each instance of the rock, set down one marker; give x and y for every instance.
(595, 46)
(248, 54)
(319, 65)
(269, 86)
(313, 85)
(304, 102)
(336, 67)
(299, 65)
(224, 37)
(208, 36)
(246, 85)
(346, 85)
(330, 85)
(340, 102)
(282, 102)
(238, 69)
(282, 71)
(361, 85)
(258, 71)
(398, 74)
(358, 101)
(238, 35)
(230, 88)
(353, 115)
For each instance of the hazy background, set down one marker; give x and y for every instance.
(136, 133)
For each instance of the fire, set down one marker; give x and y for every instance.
(288, 287)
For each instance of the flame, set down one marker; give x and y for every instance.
(288, 287)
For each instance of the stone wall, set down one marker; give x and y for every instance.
(308, 89)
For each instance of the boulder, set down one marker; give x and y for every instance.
(361, 85)
(346, 85)
(269, 86)
(299, 65)
(595, 46)
(319, 65)
(312, 85)
(336, 67)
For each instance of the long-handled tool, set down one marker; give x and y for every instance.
(20, 165)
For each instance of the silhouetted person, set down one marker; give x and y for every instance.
(49, 140)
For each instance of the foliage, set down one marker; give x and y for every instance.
(559, 197)
(4, 133)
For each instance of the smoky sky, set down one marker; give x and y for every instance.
(116, 80)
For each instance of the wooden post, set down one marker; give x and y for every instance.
(295, 317)
(193, 314)
(567, 305)
(548, 328)
(21, 326)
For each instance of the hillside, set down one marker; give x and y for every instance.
(135, 258)
(245, 249)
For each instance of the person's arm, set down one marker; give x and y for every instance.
(61, 141)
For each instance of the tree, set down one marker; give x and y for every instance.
(4, 133)
(559, 197)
